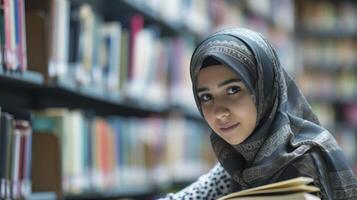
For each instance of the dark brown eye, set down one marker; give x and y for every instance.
(233, 90)
(205, 97)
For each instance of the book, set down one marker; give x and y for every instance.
(46, 166)
(293, 189)
(6, 130)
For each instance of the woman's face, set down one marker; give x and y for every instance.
(226, 103)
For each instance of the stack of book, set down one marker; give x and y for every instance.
(292, 189)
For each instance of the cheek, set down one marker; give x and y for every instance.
(246, 111)
(250, 112)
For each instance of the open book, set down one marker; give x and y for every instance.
(292, 189)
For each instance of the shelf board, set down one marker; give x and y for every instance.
(134, 192)
(129, 192)
(330, 68)
(327, 34)
(28, 91)
(345, 125)
(123, 10)
(24, 79)
(330, 99)
(94, 94)
(18, 88)
(42, 196)
(64, 93)
(190, 113)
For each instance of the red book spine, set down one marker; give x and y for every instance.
(136, 24)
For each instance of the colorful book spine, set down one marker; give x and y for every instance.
(13, 35)
(15, 161)
(113, 153)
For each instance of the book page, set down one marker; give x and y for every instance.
(294, 196)
(291, 185)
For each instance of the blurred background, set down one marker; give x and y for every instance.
(107, 97)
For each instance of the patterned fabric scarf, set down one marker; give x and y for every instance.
(286, 127)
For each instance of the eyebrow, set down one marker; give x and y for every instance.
(220, 84)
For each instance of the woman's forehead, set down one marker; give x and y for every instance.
(214, 74)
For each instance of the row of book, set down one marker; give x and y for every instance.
(330, 87)
(102, 154)
(260, 16)
(327, 48)
(349, 111)
(341, 123)
(134, 62)
(328, 16)
(267, 10)
(329, 53)
(325, 112)
(68, 41)
(193, 14)
(15, 155)
(13, 35)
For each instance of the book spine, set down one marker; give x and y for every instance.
(9, 131)
(8, 32)
(13, 36)
(22, 55)
(136, 24)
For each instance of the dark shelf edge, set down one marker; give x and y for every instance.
(330, 99)
(326, 34)
(118, 193)
(167, 28)
(320, 66)
(27, 77)
(29, 91)
(136, 192)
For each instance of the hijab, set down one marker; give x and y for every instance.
(286, 127)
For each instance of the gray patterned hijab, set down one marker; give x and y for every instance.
(286, 127)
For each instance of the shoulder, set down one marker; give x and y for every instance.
(309, 165)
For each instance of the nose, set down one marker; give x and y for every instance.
(221, 112)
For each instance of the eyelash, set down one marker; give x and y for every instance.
(236, 89)
(202, 97)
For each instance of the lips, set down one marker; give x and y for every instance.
(228, 127)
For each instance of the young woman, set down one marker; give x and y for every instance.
(263, 129)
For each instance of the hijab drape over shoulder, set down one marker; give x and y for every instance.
(286, 128)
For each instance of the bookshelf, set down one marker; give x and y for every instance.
(28, 91)
(326, 35)
(72, 82)
(48, 84)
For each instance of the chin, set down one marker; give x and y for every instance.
(233, 141)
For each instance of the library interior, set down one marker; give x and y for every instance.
(96, 99)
